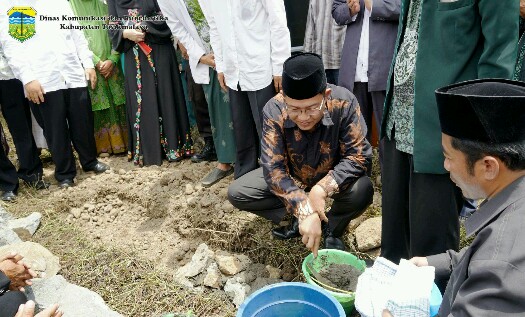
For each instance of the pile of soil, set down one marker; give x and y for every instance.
(344, 276)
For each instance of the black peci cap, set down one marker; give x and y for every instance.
(303, 76)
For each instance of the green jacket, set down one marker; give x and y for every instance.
(458, 41)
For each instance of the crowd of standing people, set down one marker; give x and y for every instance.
(293, 129)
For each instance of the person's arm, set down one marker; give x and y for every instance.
(114, 57)
(274, 162)
(385, 10)
(14, 52)
(215, 39)
(169, 9)
(309, 33)
(491, 285)
(281, 45)
(445, 262)
(500, 28)
(356, 152)
(341, 13)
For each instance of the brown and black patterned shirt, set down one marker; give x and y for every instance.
(333, 155)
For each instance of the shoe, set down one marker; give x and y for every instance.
(331, 242)
(177, 159)
(99, 168)
(66, 183)
(207, 154)
(8, 195)
(287, 232)
(215, 176)
(39, 184)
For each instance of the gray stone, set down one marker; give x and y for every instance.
(72, 299)
(368, 234)
(43, 262)
(199, 262)
(30, 223)
(7, 236)
(213, 276)
(189, 189)
(5, 216)
(236, 291)
(76, 212)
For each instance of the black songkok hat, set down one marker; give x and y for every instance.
(303, 76)
(484, 110)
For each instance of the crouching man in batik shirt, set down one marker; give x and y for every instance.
(313, 148)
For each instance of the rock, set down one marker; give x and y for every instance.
(261, 282)
(42, 261)
(30, 223)
(356, 223)
(23, 234)
(72, 299)
(228, 265)
(76, 212)
(122, 171)
(227, 207)
(5, 216)
(288, 277)
(368, 234)
(236, 291)
(7, 237)
(378, 181)
(274, 272)
(199, 261)
(189, 189)
(213, 276)
(244, 259)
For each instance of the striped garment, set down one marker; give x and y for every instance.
(323, 36)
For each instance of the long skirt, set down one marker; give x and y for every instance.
(156, 109)
(221, 119)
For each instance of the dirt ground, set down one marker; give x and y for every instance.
(154, 217)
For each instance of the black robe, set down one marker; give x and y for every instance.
(164, 129)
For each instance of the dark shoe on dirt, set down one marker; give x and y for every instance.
(8, 195)
(330, 241)
(287, 232)
(66, 183)
(208, 153)
(215, 175)
(99, 168)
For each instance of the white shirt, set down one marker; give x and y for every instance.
(250, 40)
(5, 71)
(361, 70)
(183, 28)
(55, 57)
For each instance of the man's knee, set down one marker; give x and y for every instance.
(234, 194)
(360, 195)
(9, 303)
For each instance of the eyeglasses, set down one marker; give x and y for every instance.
(312, 111)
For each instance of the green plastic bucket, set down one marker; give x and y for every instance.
(327, 257)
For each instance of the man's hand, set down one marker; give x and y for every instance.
(310, 229)
(368, 4)
(134, 35)
(18, 272)
(34, 92)
(28, 310)
(91, 76)
(278, 83)
(419, 261)
(317, 198)
(183, 51)
(208, 59)
(386, 313)
(106, 68)
(222, 82)
(354, 6)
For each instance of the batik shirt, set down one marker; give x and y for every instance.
(200, 22)
(333, 155)
(402, 113)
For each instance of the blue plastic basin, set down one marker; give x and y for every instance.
(291, 300)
